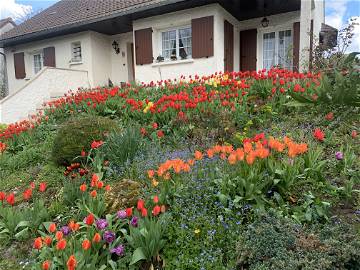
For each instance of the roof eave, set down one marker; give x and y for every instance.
(75, 27)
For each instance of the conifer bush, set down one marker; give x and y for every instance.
(76, 135)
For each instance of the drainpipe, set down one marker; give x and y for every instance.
(5, 77)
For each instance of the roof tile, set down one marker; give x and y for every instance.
(67, 12)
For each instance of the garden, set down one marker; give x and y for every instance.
(239, 170)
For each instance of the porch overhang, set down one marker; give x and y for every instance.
(122, 22)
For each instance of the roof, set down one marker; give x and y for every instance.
(116, 16)
(71, 12)
(5, 21)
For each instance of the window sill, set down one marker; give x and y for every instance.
(76, 63)
(173, 62)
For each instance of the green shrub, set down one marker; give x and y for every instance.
(278, 243)
(122, 146)
(77, 134)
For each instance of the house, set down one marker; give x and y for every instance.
(5, 25)
(79, 43)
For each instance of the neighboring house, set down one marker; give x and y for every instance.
(149, 40)
(5, 25)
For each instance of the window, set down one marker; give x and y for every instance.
(277, 49)
(38, 62)
(176, 44)
(76, 52)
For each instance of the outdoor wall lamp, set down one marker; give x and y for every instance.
(265, 22)
(115, 45)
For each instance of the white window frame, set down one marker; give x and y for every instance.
(73, 58)
(176, 29)
(260, 38)
(41, 61)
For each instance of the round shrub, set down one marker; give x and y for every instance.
(77, 134)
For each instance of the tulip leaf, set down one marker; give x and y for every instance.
(138, 255)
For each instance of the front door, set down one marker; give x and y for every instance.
(248, 50)
(228, 46)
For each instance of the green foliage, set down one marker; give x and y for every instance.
(277, 243)
(77, 134)
(147, 240)
(19, 223)
(122, 146)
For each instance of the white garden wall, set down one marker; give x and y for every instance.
(48, 82)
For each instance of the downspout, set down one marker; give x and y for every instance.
(6, 92)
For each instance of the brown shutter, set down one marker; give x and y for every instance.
(228, 46)
(296, 48)
(49, 57)
(19, 64)
(248, 47)
(202, 37)
(143, 46)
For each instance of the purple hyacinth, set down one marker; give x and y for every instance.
(134, 221)
(119, 250)
(109, 236)
(65, 230)
(101, 224)
(339, 155)
(121, 214)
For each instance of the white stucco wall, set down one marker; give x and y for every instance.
(173, 69)
(100, 70)
(62, 56)
(47, 82)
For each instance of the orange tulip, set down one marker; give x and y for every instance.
(52, 227)
(93, 193)
(96, 238)
(198, 155)
(83, 187)
(71, 263)
(48, 240)
(232, 159)
(59, 235)
(86, 244)
(37, 243)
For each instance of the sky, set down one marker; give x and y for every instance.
(338, 13)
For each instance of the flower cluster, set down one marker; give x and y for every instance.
(27, 194)
(253, 148)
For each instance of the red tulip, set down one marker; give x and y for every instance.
(42, 187)
(156, 211)
(319, 134)
(128, 212)
(140, 204)
(89, 220)
(10, 199)
(144, 212)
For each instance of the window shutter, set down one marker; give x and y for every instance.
(143, 46)
(228, 46)
(49, 57)
(202, 37)
(296, 48)
(19, 65)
